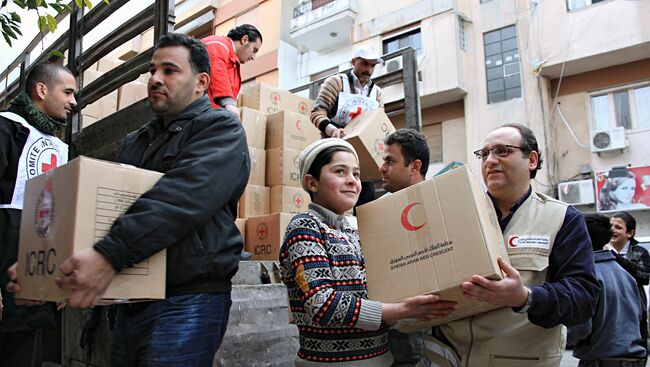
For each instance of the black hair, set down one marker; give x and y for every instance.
(413, 145)
(322, 159)
(600, 231)
(47, 73)
(528, 144)
(199, 59)
(237, 33)
(630, 222)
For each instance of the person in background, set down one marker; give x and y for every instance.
(611, 336)
(632, 257)
(406, 161)
(226, 55)
(31, 123)
(323, 267)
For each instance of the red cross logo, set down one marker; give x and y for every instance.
(356, 113)
(275, 98)
(380, 146)
(302, 107)
(262, 231)
(298, 201)
(49, 166)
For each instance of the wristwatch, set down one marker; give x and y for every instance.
(526, 306)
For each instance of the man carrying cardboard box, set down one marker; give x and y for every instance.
(344, 96)
(552, 280)
(28, 148)
(190, 212)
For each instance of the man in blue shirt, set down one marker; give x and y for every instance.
(612, 336)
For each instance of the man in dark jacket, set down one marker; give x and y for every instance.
(632, 257)
(611, 337)
(28, 148)
(190, 212)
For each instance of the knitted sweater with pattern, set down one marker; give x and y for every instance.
(322, 265)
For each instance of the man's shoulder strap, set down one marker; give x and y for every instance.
(14, 117)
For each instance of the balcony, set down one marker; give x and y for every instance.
(593, 37)
(323, 24)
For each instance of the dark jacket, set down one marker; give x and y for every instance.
(192, 208)
(613, 331)
(15, 318)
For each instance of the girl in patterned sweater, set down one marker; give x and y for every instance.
(323, 267)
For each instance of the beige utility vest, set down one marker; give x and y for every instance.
(503, 337)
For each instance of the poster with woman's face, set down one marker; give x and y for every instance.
(623, 189)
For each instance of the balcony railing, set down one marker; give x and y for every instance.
(308, 6)
(312, 11)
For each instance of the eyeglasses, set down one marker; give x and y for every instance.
(500, 150)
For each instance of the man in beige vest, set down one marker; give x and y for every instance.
(551, 280)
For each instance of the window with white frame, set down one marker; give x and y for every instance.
(628, 107)
(577, 4)
(411, 38)
(462, 35)
(502, 64)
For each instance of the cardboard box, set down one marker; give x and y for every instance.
(131, 93)
(429, 238)
(255, 126)
(264, 235)
(258, 167)
(290, 130)
(241, 226)
(297, 104)
(267, 99)
(289, 199)
(69, 209)
(282, 167)
(104, 106)
(254, 201)
(366, 133)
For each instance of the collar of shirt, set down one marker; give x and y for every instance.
(334, 220)
(358, 88)
(233, 53)
(625, 248)
(503, 222)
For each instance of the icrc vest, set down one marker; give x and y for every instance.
(503, 337)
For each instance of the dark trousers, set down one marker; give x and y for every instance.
(17, 348)
(178, 331)
(612, 363)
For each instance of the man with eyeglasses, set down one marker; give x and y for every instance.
(550, 280)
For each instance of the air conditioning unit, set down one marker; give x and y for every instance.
(388, 67)
(606, 140)
(577, 192)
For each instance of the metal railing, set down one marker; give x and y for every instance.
(306, 7)
(160, 15)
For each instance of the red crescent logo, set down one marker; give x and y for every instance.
(298, 124)
(405, 218)
(512, 240)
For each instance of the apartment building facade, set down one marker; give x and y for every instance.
(577, 72)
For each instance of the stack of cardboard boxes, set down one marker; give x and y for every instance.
(277, 128)
(116, 100)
